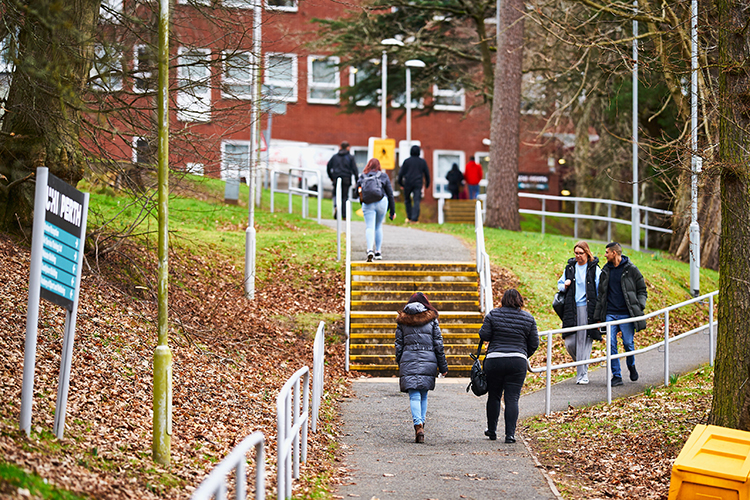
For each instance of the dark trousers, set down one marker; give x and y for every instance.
(412, 197)
(346, 184)
(455, 190)
(504, 375)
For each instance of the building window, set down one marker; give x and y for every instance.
(194, 168)
(144, 69)
(358, 75)
(284, 5)
(281, 73)
(239, 4)
(235, 159)
(110, 11)
(144, 152)
(323, 80)
(106, 70)
(237, 76)
(450, 99)
(194, 78)
(442, 162)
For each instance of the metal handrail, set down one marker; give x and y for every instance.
(348, 290)
(547, 368)
(215, 484)
(290, 432)
(303, 191)
(318, 375)
(483, 262)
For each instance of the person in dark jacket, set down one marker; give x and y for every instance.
(622, 294)
(420, 356)
(342, 166)
(410, 177)
(512, 338)
(455, 180)
(579, 282)
(374, 213)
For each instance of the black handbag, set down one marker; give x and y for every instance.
(558, 304)
(478, 384)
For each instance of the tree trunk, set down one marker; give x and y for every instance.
(40, 125)
(502, 176)
(731, 393)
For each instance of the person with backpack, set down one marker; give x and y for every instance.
(376, 194)
(455, 180)
(342, 166)
(410, 177)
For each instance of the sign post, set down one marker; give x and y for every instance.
(56, 258)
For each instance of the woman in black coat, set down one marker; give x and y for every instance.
(419, 354)
(512, 338)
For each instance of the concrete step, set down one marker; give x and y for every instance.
(415, 286)
(388, 350)
(370, 337)
(388, 317)
(397, 305)
(379, 360)
(403, 296)
(412, 276)
(414, 266)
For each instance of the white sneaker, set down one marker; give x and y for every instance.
(583, 381)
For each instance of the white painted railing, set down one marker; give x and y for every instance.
(710, 326)
(576, 215)
(318, 374)
(291, 430)
(215, 485)
(348, 291)
(294, 172)
(483, 262)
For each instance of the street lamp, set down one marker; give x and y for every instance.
(411, 63)
(384, 85)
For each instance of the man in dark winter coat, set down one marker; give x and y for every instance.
(410, 178)
(342, 166)
(622, 294)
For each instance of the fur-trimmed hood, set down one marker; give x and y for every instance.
(415, 314)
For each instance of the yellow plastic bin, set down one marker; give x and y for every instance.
(714, 464)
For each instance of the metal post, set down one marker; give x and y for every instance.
(548, 375)
(348, 291)
(575, 221)
(695, 238)
(254, 158)
(711, 333)
(635, 235)
(408, 106)
(338, 218)
(544, 211)
(32, 315)
(289, 188)
(162, 403)
(608, 350)
(645, 228)
(609, 222)
(383, 93)
(666, 348)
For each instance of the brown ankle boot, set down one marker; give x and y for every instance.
(419, 433)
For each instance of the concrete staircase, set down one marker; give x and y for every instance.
(380, 290)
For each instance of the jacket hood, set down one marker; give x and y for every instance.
(415, 150)
(415, 314)
(625, 261)
(343, 152)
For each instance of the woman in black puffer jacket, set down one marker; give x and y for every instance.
(512, 338)
(419, 354)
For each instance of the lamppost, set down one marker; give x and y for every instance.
(411, 63)
(384, 82)
(695, 235)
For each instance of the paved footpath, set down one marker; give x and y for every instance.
(457, 461)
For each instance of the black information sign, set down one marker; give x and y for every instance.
(62, 242)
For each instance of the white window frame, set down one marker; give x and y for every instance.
(134, 146)
(97, 82)
(239, 4)
(438, 92)
(353, 81)
(193, 105)
(137, 73)
(194, 2)
(106, 15)
(195, 168)
(229, 81)
(283, 8)
(478, 158)
(439, 183)
(242, 171)
(323, 86)
(284, 90)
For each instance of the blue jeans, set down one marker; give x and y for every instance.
(628, 332)
(473, 191)
(374, 216)
(418, 403)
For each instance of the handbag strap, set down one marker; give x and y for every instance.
(479, 348)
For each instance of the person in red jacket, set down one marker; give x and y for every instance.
(473, 175)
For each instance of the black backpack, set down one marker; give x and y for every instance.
(370, 188)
